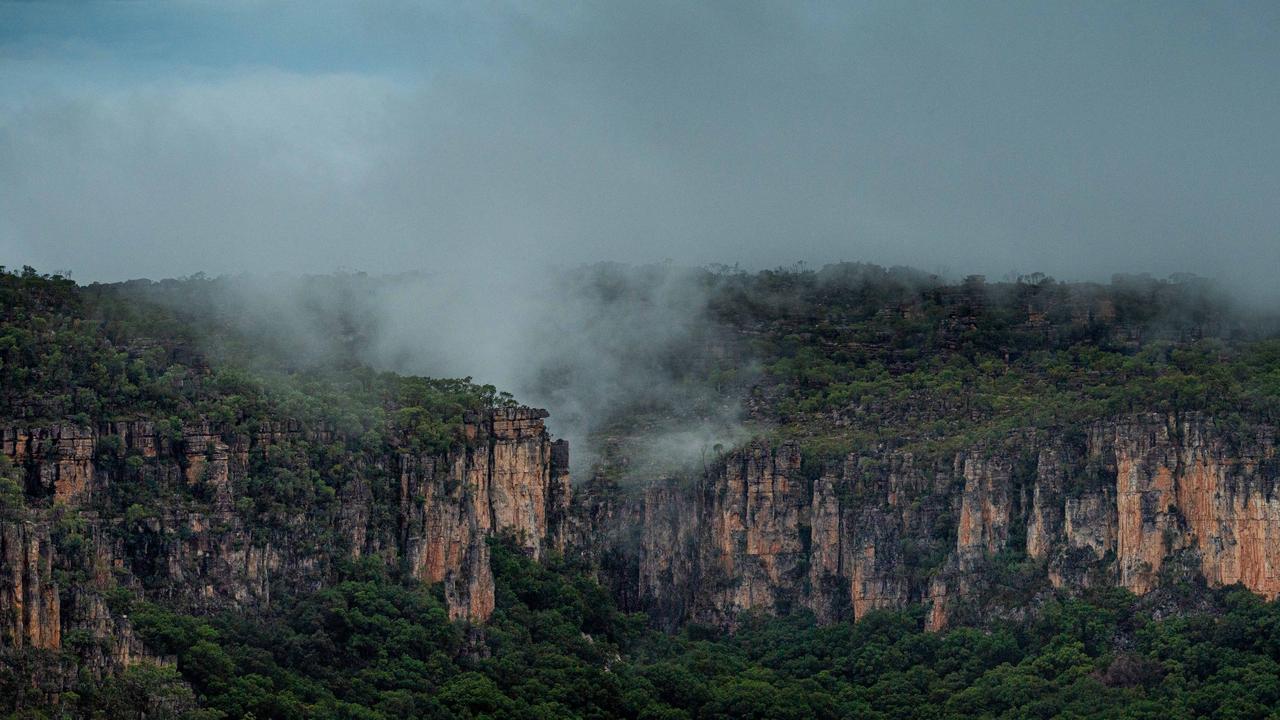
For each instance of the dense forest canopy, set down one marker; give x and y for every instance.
(375, 646)
(100, 353)
(837, 357)
(846, 356)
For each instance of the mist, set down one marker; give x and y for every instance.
(158, 139)
(619, 354)
(489, 149)
(605, 347)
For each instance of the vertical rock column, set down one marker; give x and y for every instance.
(510, 479)
(29, 606)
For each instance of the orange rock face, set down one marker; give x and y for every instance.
(63, 455)
(199, 546)
(1112, 504)
(29, 606)
(984, 506)
(1123, 502)
(1180, 487)
(512, 480)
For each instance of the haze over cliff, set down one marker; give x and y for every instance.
(597, 345)
(491, 154)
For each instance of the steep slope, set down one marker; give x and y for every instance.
(967, 447)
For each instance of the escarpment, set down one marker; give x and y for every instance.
(206, 516)
(1133, 502)
(210, 517)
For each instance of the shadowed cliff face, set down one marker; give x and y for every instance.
(1132, 503)
(434, 513)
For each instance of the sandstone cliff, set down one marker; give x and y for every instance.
(1135, 502)
(1120, 502)
(178, 513)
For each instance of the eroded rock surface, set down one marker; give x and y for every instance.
(1110, 504)
(204, 543)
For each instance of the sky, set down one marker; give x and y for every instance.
(160, 139)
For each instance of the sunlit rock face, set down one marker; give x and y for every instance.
(1113, 503)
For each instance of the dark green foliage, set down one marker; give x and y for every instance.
(100, 353)
(12, 495)
(900, 358)
(853, 356)
(376, 646)
(366, 642)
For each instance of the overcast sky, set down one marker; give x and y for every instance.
(165, 138)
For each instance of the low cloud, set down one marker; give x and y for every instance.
(1074, 141)
(484, 148)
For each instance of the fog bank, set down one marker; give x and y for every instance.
(160, 139)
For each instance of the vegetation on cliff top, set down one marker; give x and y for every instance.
(858, 356)
(848, 356)
(93, 354)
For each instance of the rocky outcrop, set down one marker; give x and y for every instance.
(752, 507)
(29, 606)
(245, 514)
(1181, 487)
(512, 479)
(208, 516)
(38, 611)
(1113, 503)
(706, 550)
(61, 456)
